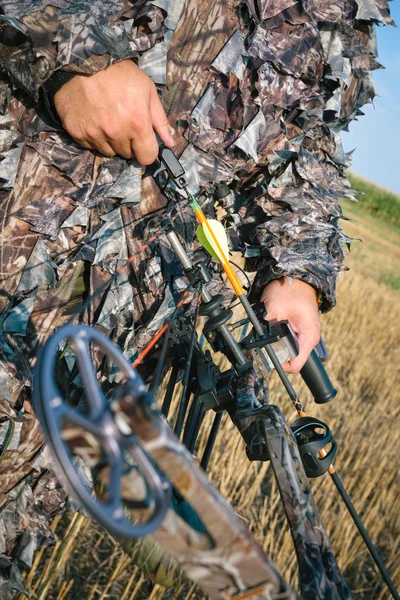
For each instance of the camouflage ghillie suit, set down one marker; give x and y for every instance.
(258, 92)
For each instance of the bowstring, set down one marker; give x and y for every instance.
(162, 331)
(54, 256)
(157, 378)
(114, 277)
(156, 235)
(86, 304)
(184, 401)
(156, 381)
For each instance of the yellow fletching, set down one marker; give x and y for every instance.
(206, 240)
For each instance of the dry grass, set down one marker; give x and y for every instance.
(362, 335)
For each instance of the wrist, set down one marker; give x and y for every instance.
(57, 81)
(51, 87)
(319, 294)
(291, 285)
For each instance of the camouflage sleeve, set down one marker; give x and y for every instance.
(37, 38)
(313, 76)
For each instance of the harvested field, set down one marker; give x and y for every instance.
(363, 337)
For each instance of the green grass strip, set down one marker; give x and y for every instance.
(376, 200)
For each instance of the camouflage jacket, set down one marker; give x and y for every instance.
(258, 92)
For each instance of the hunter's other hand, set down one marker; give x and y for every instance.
(295, 302)
(115, 111)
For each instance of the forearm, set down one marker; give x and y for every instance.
(305, 244)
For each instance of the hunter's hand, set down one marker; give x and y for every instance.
(295, 302)
(115, 111)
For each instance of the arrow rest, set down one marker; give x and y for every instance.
(312, 437)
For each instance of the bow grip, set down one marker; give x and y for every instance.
(317, 379)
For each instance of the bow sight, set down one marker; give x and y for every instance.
(221, 556)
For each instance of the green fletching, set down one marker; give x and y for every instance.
(208, 243)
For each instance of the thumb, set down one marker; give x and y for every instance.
(160, 121)
(307, 339)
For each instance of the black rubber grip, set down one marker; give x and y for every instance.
(317, 379)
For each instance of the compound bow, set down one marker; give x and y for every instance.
(141, 468)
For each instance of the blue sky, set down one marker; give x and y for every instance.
(376, 136)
